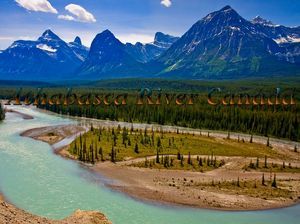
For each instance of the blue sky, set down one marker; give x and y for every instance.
(129, 20)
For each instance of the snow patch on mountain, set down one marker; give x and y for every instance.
(288, 39)
(234, 28)
(45, 47)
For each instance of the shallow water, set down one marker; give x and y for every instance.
(35, 179)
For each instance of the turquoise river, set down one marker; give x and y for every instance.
(33, 178)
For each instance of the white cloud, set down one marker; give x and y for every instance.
(135, 37)
(37, 5)
(79, 14)
(166, 3)
(66, 17)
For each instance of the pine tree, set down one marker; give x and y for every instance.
(92, 128)
(263, 180)
(274, 184)
(129, 142)
(157, 156)
(266, 162)
(131, 129)
(84, 152)
(178, 155)
(2, 113)
(115, 138)
(80, 140)
(92, 154)
(112, 154)
(181, 161)
(200, 162)
(158, 142)
(208, 161)
(238, 182)
(136, 148)
(124, 135)
(80, 157)
(251, 139)
(215, 162)
(75, 149)
(101, 154)
(268, 142)
(96, 153)
(189, 161)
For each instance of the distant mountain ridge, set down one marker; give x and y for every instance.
(147, 52)
(222, 45)
(49, 57)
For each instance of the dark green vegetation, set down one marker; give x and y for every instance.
(181, 162)
(2, 114)
(120, 144)
(278, 121)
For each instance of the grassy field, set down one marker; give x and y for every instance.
(99, 144)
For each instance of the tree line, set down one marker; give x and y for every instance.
(267, 121)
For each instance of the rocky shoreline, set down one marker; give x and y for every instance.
(9, 214)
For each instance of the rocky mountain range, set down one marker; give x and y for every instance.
(222, 45)
(225, 45)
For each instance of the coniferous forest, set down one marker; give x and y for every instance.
(267, 122)
(273, 121)
(276, 121)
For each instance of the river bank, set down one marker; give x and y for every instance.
(10, 214)
(181, 187)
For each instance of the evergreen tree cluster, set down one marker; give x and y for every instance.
(182, 162)
(89, 147)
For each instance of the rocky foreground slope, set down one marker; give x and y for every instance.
(12, 215)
